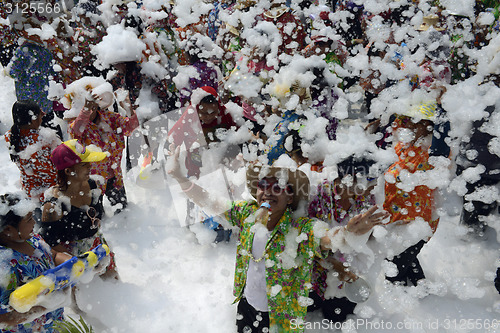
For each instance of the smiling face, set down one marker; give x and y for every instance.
(278, 197)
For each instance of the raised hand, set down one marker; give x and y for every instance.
(363, 223)
(174, 165)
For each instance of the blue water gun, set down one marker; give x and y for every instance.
(65, 275)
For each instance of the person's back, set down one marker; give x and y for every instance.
(31, 69)
(30, 146)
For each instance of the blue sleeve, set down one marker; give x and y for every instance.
(8, 283)
(19, 63)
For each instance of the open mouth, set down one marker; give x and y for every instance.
(270, 200)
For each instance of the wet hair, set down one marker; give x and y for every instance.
(134, 22)
(23, 113)
(8, 216)
(193, 54)
(397, 16)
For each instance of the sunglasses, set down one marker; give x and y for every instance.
(92, 214)
(266, 184)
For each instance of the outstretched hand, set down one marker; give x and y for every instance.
(174, 165)
(363, 223)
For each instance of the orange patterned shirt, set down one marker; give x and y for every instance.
(109, 135)
(37, 171)
(407, 205)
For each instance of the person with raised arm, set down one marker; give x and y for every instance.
(277, 244)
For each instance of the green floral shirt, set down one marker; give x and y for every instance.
(289, 255)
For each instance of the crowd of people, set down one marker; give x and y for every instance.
(268, 86)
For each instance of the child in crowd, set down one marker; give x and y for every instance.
(210, 118)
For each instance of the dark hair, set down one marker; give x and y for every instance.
(10, 218)
(85, 7)
(319, 84)
(210, 99)
(23, 113)
(296, 141)
(62, 179)
(353, 166)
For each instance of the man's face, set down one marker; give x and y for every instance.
(277, 195)
(208, 112)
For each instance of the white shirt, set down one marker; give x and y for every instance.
(255, 289)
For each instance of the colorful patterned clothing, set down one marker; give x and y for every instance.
(289, 255)
(406, 206)
(37, 171)
(109, 135)
(214, 22)
(276, 142)
(76, 230)
(207, 76)
(31, 68)
(325, 207)
(17, 269)
(438, 70)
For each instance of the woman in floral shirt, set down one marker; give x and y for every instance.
(30, 146)
(276, 247)
(23, 257)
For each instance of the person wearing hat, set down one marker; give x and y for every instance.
(276, 245)
(201, 52)
(291, 30)
(434, 70)
(197, 126)
(24, 256)
(73, 208)
(413, 131)
(96, 123)
(196, 129)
